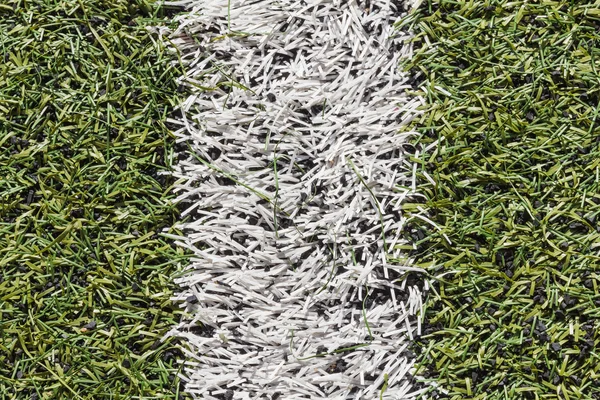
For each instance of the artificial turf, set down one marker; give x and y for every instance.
(512, 94)
(85, 275)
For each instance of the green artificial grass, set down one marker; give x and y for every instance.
(85, 275)
(512, 90)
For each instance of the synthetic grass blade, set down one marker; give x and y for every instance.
(304, 107)
(511, 178)
(85, 277)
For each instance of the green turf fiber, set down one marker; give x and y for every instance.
(512, 97)
(85, 278)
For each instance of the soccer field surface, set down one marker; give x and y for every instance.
(299, 199)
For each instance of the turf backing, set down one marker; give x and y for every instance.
(85, 277)
(513, 183)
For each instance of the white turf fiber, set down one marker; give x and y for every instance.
(292, 186)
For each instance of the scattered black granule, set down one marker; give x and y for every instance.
(203, 330)
(90, 325)
(191, 299)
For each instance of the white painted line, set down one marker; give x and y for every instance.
(293, 198)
